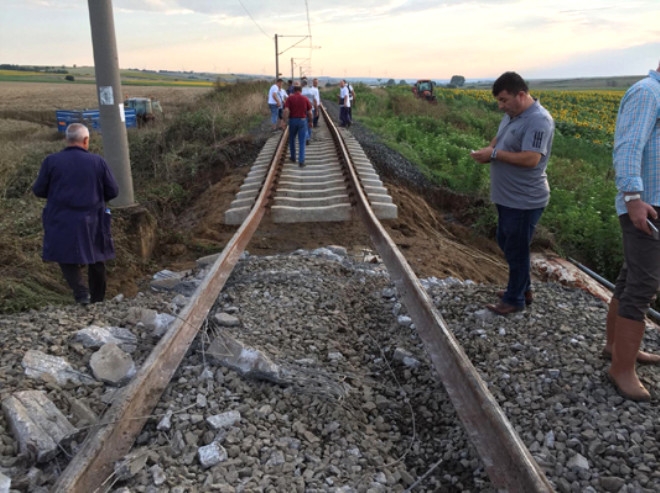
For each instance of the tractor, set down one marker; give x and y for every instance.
(146, 109)
(423, 88)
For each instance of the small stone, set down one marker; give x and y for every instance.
(224, 420)
(212, 454)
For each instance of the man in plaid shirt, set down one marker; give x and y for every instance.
(637, 165)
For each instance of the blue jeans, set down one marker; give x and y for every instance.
(297, 127)
(273, 113)
(515, 228)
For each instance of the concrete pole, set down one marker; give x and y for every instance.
(277, 60)
(111, 103)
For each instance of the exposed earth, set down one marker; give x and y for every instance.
(433, 241)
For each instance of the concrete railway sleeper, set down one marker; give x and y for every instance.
(349, 188)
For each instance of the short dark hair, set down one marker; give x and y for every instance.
(297, 88)
(510, 82)
(279, 80)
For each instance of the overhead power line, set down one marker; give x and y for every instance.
(253, 20)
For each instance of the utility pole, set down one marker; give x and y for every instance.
(111, 104)
(294, 45)
(277, 60)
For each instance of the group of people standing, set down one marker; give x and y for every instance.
(77, 185)
(297, 106)
(518, 157)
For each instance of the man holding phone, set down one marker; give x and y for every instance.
(636, 160)
(518, 157)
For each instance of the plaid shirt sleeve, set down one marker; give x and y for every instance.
(636, 121)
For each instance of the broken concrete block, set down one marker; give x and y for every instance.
(52, 368)
(112, 365)
(247, 361)
(81, 412)
(95, 337)
(131, 464)
(5, 483)
(157, 323)
(211, 454)
(227, 320)
(166, 422)
(406, 358)
(38, 426)
(224, 420)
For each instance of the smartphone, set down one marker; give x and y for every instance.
(654, 230)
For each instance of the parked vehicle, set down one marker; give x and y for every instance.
(423, 88)
(89, 118)
(146, 109)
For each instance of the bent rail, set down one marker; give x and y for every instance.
(124, 420)
(508, 463)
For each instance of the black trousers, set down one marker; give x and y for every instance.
(96, 279)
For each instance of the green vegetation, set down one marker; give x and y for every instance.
(580, 221)
(173, 162)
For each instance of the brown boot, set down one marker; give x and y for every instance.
(642, 356)
(627, 338)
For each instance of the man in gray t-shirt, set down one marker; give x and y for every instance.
(518, 158)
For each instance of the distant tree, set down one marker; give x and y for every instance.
(403, 83)
(390, 82)
(379, 81)
(69, 78)
(457, 80)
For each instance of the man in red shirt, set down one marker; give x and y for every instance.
(298, 113)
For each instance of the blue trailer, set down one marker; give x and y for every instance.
(89, 118)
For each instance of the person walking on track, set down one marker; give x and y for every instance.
(298, 113)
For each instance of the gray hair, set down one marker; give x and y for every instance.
(76, 133)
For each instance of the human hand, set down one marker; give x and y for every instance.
(482, 155)
(639, 211)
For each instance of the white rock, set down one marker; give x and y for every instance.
(48, 368)
(112, 365)
(212, 454)
(224, 420)
(227, 320)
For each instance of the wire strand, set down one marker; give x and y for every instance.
(253, 20)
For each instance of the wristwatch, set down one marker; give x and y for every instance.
(493, 155)
(630, 198)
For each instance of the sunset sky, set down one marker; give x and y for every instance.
(349, 38)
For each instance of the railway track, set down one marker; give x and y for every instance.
(344, 186)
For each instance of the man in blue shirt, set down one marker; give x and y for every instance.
(518, 157)
(77, 184)
(636, 159)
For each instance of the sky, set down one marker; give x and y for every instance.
(435, 39)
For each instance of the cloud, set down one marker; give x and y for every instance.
(634, 60)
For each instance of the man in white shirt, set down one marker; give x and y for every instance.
(317, 97)
(275, 102)
(344, 105)
(309, 94)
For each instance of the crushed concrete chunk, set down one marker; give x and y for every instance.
(82, 412)
(247, 361)
(131, 464)
(95, 337)
(224, 420)
(166, 423)
(5, 483)
(112, 365)
(52, 368)
(406, 358)
(211, 454)
(227, 320)
(37, 424)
